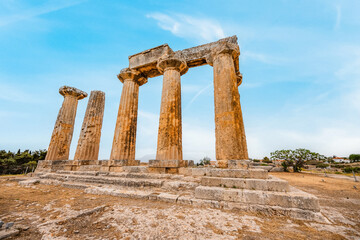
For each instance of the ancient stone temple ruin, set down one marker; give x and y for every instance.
(232, 184)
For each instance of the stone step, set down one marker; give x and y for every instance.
(171, 185)
(126, 182)
(247, 183)
(189, 199)
(124, 174)
(296, 199)
(226, 173)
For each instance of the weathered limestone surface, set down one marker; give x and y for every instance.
(287, 200)
(225, 173)
(169, 145)
(123, 147)
(146, 61)
(89, 140)
(247, 183)
(229, 126)
(59, 146)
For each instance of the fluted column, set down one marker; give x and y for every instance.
(229, 125)
(123, 147)
(89, 140)
(169, 146)
(59, 146)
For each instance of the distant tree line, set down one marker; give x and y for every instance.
(298, 157)
(204, 161)
(354, 157)
(19, 162)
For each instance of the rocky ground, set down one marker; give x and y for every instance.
(53, 212)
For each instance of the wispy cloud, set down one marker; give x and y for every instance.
(197, 95)
(200, 29)
(48, 7)
(263, 58)
(16, 93)
(338, 17)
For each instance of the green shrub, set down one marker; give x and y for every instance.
(351, 169)
(322, 165)
(16, 163)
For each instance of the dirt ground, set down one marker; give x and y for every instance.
(53, 212)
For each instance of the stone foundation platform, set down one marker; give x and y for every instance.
(245, 189)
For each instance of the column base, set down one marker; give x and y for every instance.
(55, 165)
(233, 164)
(120, 163)
(85, 162)
(166, 166)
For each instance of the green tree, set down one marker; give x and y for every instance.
(205, 161)
(354, 157)
(296, 158)
(11, 163)
(266, 160)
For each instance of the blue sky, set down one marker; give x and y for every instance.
(300, 61)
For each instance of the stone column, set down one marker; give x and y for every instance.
(123, 148)
(59, 146)
(89, 140)
(169, 146)
(229, 125)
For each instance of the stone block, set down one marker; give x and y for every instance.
(185, 171)
(166, 197)
(184, 163)
(85, 162)
(299, 200)
(164, 163)
(277, 169)
(135, 169)
(238, 173)
(146, 61)
(199, 171)
(103, 162)
(124, 163)
(247, 183)
(104, 169)
(9, 233)
(266, 168)
(238, 164)
(29, 182)
(116, 169)
(222, 163)
(89, 168)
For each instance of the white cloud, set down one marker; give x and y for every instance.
(200, 29)
(338, 17)
(50, 6)
(197, 95)
(263, 58)
(16, 93)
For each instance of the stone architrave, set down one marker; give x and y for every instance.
(89, 140)
(59, 146)
(229, 125)
(123, 148)
(169, 146)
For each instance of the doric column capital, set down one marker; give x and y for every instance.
(77, 93)
(223, 48)
(169, 62)
(132, 75)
